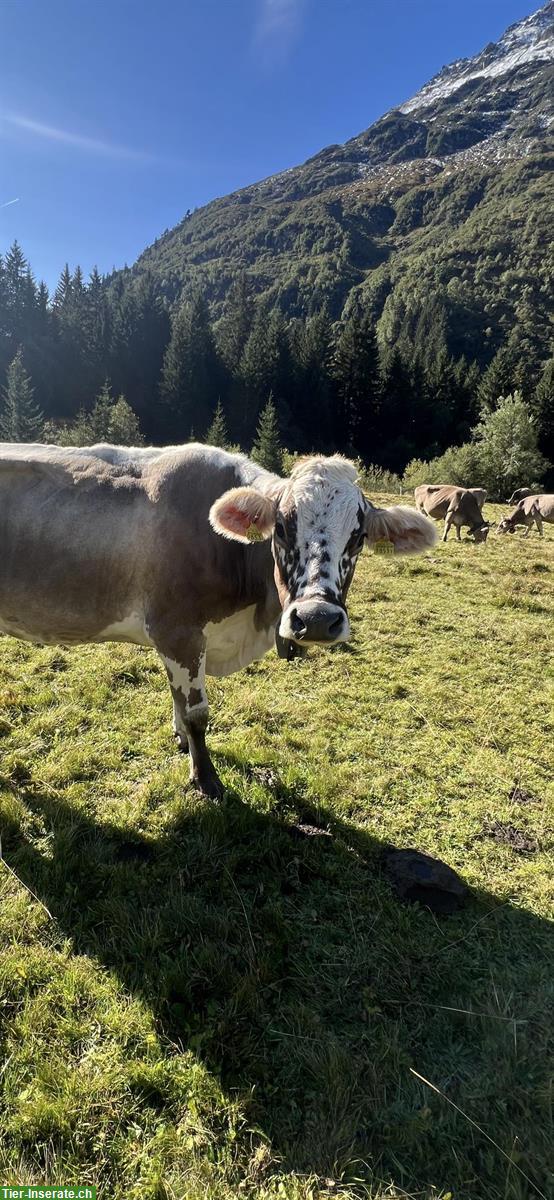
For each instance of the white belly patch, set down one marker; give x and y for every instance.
(235, 642)
(130, 629)
(232, 643)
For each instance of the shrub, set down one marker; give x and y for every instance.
(502, 456)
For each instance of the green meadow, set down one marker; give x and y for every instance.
(228, 1002)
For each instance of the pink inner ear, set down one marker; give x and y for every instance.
(235, 519)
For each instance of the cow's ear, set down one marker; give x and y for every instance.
(243, 515)
(409, 531)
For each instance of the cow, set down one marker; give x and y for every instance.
(531, 508)
(479, 493)
(194, 551)
(457, 506)
(520, 494)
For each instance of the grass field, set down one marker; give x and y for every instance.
(228, 1001)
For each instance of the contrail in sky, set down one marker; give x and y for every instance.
(7, 203)
(54, 134)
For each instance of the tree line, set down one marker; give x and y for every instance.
(106, 359)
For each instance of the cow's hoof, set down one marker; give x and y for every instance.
(208, 784)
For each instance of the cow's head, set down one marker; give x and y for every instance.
(318, 521)
(506, 525)
(480, 532)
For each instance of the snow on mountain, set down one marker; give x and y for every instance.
(527, 41)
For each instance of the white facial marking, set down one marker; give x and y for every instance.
(327, 501)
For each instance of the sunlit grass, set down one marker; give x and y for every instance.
(225, 1001)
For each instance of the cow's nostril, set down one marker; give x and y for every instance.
(297, 625)
(335, 626)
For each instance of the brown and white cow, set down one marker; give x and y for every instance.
(198, 553)
(479, 493)
(455, 505)
(531, 508)
(520, 494)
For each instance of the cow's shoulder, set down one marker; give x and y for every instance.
(195, 473)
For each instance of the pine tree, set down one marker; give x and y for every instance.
(235, 325)
(74, 381)
(266, 366)
(440, 380)
(217, 434)
(466, 409)
(397, 438)
(191, 371)
(110, 421)
(18, 295)
(97, 328)
(542, 405)
(137, 328)
(267, 449)
(21, 419)
(64, 288)
(124, 429)
(312, 348)
(498, 380)
(356, 373)
(99, 421)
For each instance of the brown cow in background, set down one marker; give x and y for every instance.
(520, 494)
(455, 505)
(531, 508)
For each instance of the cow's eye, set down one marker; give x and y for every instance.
(280, 531)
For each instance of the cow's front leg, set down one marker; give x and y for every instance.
(538, 523)
(179, 731)
(185, 663)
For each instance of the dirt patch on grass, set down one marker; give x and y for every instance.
(520, 795)
(509, 835)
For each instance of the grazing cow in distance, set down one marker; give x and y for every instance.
(479, 493)
(520, 494)
(196, 552)
(456, 506)
(531, 508)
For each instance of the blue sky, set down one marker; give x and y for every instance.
(118, 115)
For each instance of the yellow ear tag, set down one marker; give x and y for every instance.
(383, 546)
(253, 534)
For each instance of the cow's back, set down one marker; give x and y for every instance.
(436, 499)
(101, 542)
(544, 505)
(70, 561)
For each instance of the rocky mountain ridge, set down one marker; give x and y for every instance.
(445, 197)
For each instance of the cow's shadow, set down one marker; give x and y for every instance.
(272, 946)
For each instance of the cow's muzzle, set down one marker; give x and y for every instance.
(314, 621)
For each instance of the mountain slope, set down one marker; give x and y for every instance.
(443, 201)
